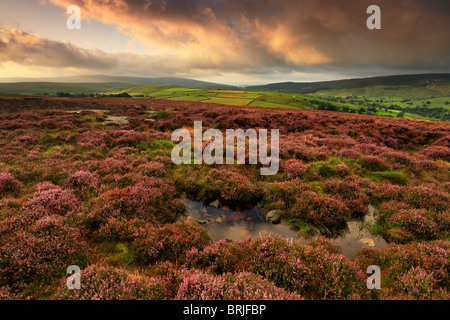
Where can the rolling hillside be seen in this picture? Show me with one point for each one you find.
(408, 86)
(133, 81)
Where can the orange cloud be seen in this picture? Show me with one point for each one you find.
(263, 36)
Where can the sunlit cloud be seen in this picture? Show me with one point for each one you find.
(205, 38)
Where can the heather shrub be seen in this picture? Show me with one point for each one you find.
(404, 223)
(307, 270)
(418, 284)
(109, 283)
(350, 193)
(5, 294)
(423, 197)
(228, 185)
(8, 185)
(298, 201)
(109, 166)
(83, 183)
(92, 138)
(417, 270)
(152, 200)
(122, 229)
(170, 242)
(437, 152)
(294, 169)
(320, 210)
(153, 169)
(282, 195)
(417, 196)
(41, 253)
(199, 285)
(126, 138)
(53, 200)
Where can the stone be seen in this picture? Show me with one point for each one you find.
(215, 204)
(274, 216)
(367, 242)
(221, 218)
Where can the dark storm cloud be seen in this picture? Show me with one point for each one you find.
(266, 36)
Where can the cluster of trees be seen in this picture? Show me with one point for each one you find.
(370, 107)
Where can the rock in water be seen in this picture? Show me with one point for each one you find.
(221, 218)
(216, 204)
(367, 242)
(274, 216)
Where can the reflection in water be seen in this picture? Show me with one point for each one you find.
(225, 223)
(358, 236)
(230, 224)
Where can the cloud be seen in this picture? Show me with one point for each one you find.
(184, 37)
(27, 49)
(290, 33)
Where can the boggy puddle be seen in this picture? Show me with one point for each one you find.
(250, 223)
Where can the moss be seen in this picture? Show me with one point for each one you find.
(395, 177)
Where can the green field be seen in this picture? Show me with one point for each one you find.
(409, 96)
(232, 97)
(267, 99)
(420, 98)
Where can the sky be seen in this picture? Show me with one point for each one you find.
(238, 42)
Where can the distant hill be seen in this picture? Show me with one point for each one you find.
(84, 80)
(53, 88)
(405, 86)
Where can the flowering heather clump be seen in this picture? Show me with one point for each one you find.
(294, 169)
(349, 153)
(283, 195)
(42, 252)
(350, 193)
(298, 201)
(26, 139)
(411, 269)
(413, 223)
(8, 185)
(109, 283)
(419, 284)
(419, 197)
(92, 138)
(321, 210)
(152, 200)
(108, 167)
(170, 242)
(153, 169)
(423, 197)
(82, 180)
(5, 294)
(52, 201)
(199, 285)
(229, 185)
(306, 270)
(437, 152)
(126, 138)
